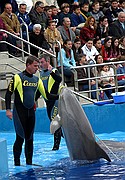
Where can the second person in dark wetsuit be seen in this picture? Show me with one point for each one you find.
(51, 79)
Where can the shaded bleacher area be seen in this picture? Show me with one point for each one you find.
(96, 40)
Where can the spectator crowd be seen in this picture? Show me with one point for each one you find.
(86, 29)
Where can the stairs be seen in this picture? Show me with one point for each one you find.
(8, 67)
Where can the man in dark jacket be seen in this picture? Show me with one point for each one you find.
(117, 28)
(38, 16)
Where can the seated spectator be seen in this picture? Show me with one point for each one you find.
(29, 4)
(48, 11)
(115, 49)
(5, 37)
(10, 19)
(76, 16)
(66, 31)
(85, 10)
(96, 12)
(12, 2)
(117, 28)
(38, 16)
(82, 73)
(122, 5)
(122, 48)
(12, 24)
(76, 47)
(102, 30)
(65, 8)
(112, 12)
(37, 38)
(90, 51)
(99, 60)
(106, 51)
(121, 76)
(107, 78)
(89, 30)
(23, 17)
(52, 35)
(67, 58)
(55, 15)
(98, 44)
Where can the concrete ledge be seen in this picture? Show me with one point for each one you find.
(3, 156)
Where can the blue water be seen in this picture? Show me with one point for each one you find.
(56, 165)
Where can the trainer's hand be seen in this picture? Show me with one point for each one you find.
(9, 114)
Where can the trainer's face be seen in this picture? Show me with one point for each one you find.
(43, 64)
(32, 68)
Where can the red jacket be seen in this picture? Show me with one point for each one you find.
(105, 54)
(2, 26)
(86, 33)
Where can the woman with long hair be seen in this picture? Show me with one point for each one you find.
(67, 56)
(89, 30)
(115, 48)
(106, 51)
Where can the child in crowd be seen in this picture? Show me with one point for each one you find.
(107, 79)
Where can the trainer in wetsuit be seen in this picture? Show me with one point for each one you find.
(25, 86)
(51, 80)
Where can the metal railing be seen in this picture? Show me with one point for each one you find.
(96, 77)
(27, 42)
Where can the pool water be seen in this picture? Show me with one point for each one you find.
(56, 165)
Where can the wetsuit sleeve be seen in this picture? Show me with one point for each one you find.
(42, 91)
(56, 76)
(9, 93)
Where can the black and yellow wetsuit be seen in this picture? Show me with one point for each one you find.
(25, 86)
(51, 81)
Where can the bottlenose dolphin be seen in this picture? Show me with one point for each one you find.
(77, 130)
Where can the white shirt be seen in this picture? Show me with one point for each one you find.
(90, 54)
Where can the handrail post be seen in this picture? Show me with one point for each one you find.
(54, 59)
(61, 63)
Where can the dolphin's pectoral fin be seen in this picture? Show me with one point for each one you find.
(101, 153)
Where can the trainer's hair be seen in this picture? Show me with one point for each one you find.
(45, 56)
(31, 59)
